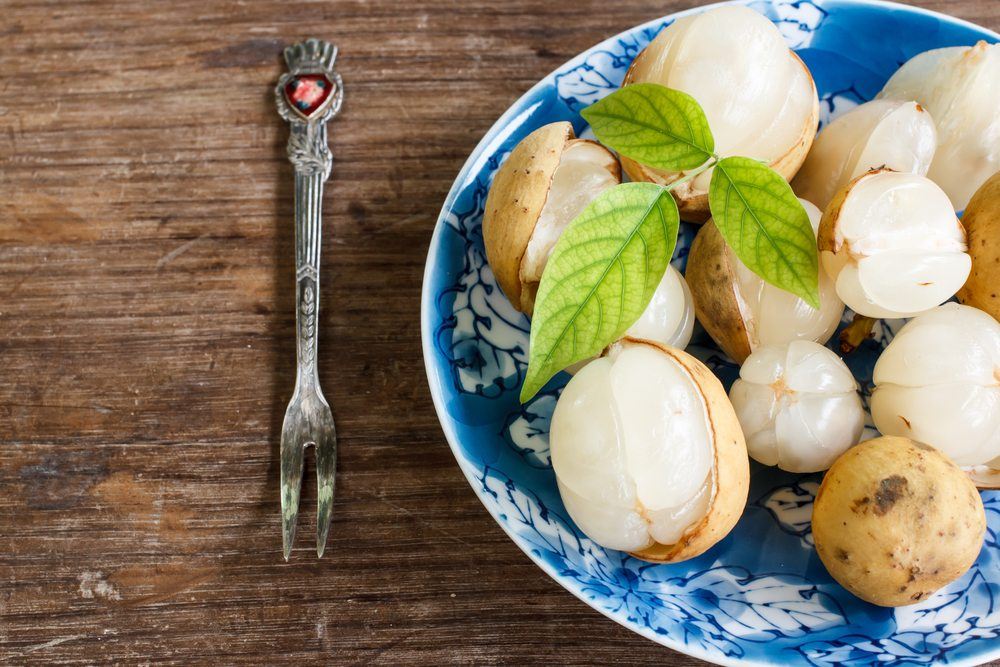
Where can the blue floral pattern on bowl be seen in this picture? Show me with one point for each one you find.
(761, 596)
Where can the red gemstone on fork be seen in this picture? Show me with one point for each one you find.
(308, 92)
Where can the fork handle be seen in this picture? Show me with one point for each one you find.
(309, 153)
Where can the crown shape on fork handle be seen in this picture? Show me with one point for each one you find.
(311, 90)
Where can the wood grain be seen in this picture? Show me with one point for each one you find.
(146, 348)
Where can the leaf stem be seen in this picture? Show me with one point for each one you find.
(855, 333)
(694, 173)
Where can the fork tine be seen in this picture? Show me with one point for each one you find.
(326, 468)
(291, 486)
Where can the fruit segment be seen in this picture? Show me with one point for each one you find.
(669, 317)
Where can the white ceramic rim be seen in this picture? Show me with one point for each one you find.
(427, 328)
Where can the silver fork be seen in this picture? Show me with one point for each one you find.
(308, 95)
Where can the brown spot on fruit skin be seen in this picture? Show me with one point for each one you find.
(890, 490)
(860, 505)
(842, 555)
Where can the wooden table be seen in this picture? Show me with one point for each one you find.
(146, 348)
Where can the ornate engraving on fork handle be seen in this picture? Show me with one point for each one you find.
(307, 96)
(306, 318)
(308, 151)
(308, 237)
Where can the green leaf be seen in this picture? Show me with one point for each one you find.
(654, 125)
(601, 276)
(764, 223)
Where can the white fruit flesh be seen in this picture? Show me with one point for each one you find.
(798, 406)
(960, 87)
(773, 316)
(669, 317)
(632, 449)
(897, 135)
(938, 382)
(899, 249)
(585, 170)
(756, 94)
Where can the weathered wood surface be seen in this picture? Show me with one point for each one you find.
(146, 348)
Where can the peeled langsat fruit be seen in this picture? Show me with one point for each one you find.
(799, 406)
(938, 382)
(648, 453)
(960, 86)
(892, 245)
(759, 98)
(547, 181)
(894, 134)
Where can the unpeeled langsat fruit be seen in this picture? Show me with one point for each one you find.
(982, 222)
(895, 520)
(548, 180)
(741, 311)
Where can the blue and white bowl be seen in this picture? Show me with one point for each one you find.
(761, 596)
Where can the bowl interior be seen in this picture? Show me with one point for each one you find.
(761, 595)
